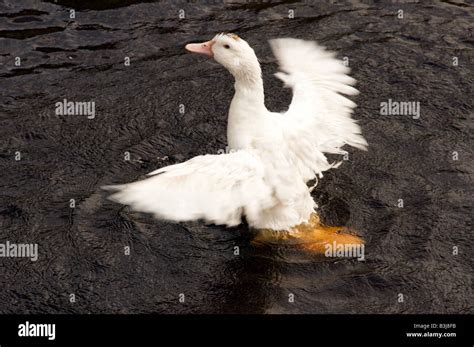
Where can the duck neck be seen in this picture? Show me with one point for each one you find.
(249, 88)
(247, 109)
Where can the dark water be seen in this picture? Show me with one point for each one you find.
(409, 250)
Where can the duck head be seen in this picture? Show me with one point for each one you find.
(233, 53)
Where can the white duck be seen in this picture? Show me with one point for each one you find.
(273, 154)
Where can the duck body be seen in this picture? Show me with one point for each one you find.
(273, 154)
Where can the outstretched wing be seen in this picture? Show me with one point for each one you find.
(319, 114)
(217, 188)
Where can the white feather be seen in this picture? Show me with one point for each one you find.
(318, 80)
(216, 188)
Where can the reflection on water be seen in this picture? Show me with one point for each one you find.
(46, 56)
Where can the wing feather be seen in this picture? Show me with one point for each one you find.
(319, 82)
(216, 188)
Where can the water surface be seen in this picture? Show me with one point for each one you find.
(409, 250)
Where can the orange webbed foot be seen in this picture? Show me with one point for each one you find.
(312, 236)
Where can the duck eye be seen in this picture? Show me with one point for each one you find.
(226, 46)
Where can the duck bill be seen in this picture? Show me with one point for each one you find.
(201, 48)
